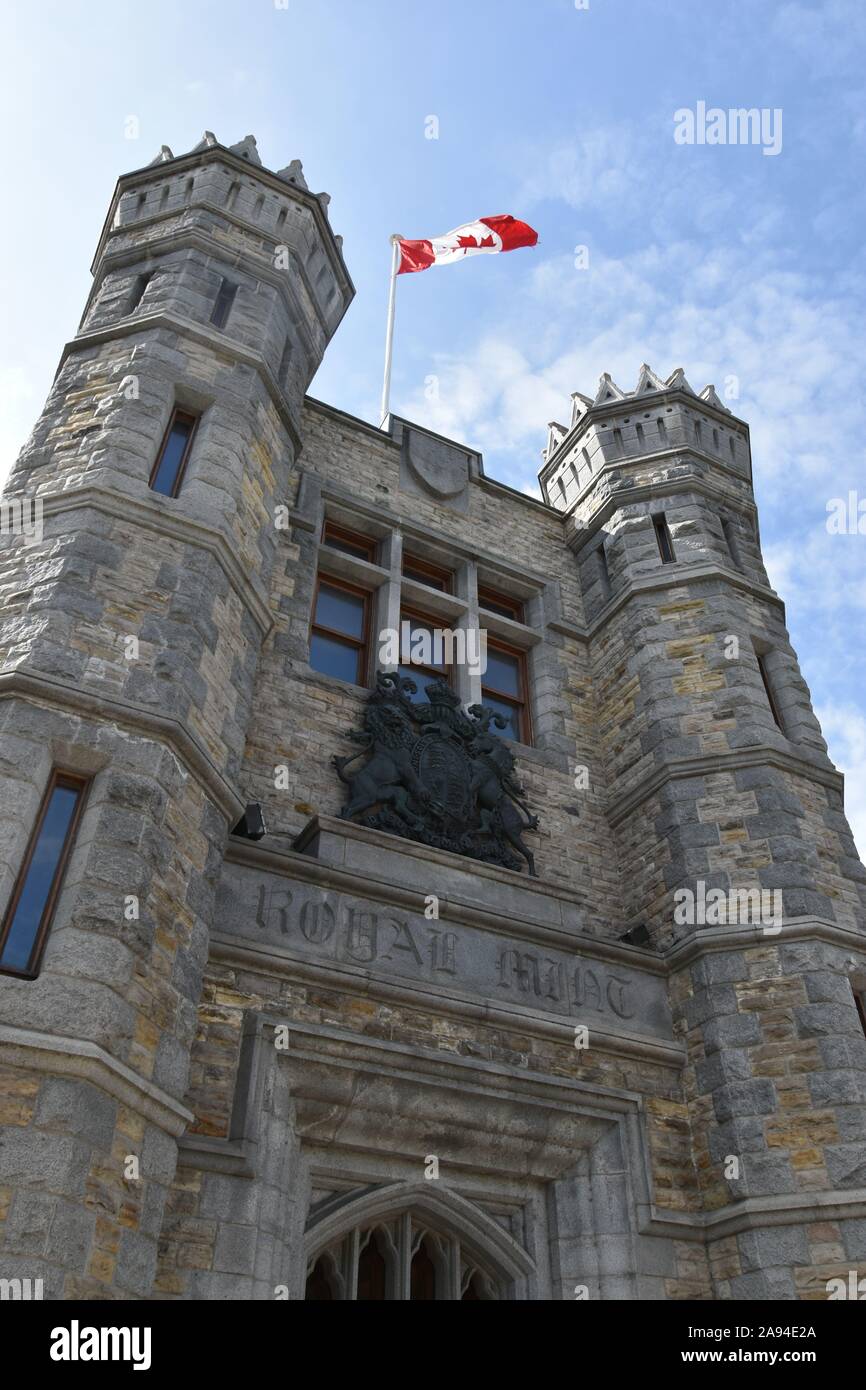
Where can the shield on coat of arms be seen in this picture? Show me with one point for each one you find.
(444, 770)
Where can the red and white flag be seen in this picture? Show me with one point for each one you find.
(485, 237)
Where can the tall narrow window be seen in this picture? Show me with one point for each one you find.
(771, 694)
(138, 289)
(503, 688)
(732, 543)
(860, 1001)
(223, 303)
(285, 362)
(603, 571)
(338, 641)
(422, 641)
(664, 538)
(34, 897)
(170, 466)
(422, 1277)
(372, 1273)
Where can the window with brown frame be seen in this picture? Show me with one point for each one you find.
(37, 888)
(340, 630)
(421, 636)
(173, 457)
(502, 604)
(349, 542)
(423, 572)
(504, 689)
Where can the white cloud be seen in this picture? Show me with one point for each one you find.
(845, 730)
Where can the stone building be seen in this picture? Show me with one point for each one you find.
(339, 1060)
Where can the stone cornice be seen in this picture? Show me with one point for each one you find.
(150, 512)
(209, 246)
(577, 537)
(707, 940)
(710, 763)
(200, 333)
(86, 1061)
(671, 577)
(82, 701)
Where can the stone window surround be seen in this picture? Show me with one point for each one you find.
(459, 610)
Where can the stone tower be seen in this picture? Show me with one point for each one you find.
(360, 1058)
(737, 859)
(131, 633)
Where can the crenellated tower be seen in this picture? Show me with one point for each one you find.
(131, 630)
(737, 861)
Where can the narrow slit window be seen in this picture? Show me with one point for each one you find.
(640, 438)
(662, 428)
(170, 466)
(664, 539)
(223, 303)
(339, 636)
(503, 689)
(860, 1001)
(732, 543)
(285, 362)
(770, 692)
(138, 289)
(34, 897)
(617, 439)
(604, 571)
(698, 432)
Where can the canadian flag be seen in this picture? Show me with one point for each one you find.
(484, 237)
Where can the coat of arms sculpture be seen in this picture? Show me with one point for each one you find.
(436, 774)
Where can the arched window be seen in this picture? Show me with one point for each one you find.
(400, 1259)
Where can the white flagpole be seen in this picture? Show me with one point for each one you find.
(389, 336)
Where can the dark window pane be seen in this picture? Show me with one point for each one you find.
(172, 456)
(504, 607)
(348, 547)
(224, 301)
(340, 610)
(40, 878)
(503, 672)
(422, 577)
(372, 1272)
(334, 658)
(509, 712)
(422, 1276)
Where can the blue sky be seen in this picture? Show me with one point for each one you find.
(719, 259)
